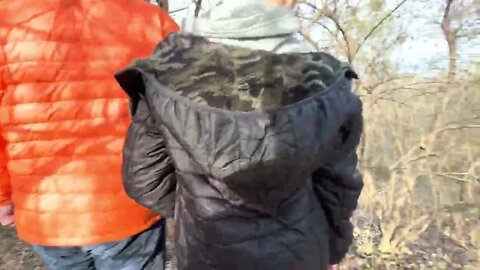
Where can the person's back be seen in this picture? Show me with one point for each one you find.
(63, 118)
(261, 144)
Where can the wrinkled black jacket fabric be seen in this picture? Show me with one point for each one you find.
(268, 189)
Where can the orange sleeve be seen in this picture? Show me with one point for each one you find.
(5, 189)
(168, 24)
(158, 26)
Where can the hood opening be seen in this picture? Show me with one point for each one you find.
(239, 79)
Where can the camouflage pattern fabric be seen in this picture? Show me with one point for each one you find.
(236, 78)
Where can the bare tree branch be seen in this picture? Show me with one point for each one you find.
(453, 177)
(163, 4)
(433, 135)
(370, 33)
(334, 18)
(307, 37)
(451, 38)
(178, 10)
(331, 14)
(198, 7)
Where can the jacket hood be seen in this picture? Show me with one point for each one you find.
(247, 118)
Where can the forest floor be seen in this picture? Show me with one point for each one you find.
(14, 254)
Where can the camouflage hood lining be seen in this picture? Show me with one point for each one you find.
(239, 79)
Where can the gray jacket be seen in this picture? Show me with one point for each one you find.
(248, 23)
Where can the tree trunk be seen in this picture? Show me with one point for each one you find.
(198, 7)
(451, 38)
(163, 4)
(452, 52)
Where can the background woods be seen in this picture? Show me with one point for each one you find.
(420, 153)
(419, 63)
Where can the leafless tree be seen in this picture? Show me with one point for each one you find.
(460, 21)
(450, 34)
(163, 4)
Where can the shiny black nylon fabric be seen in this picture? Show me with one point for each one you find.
(247, 151)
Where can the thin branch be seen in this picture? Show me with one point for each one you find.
(332, 16)
(422, 157)
(446, 12)
(163, 4)
(327, 29)
(335, 20)
(379, 24)
(374, 86)
(456, 127)
(453, 177)
(198, 7)
(309, 40)
(402, 103)
(432, 135)
(178, 10)
(317, 17)
(309, 4)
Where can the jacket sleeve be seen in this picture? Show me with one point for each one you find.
(160, 27)
(338, 185)
(147, 171)
(169, 26)
(5, 188)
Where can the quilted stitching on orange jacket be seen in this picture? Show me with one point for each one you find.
(63, 117)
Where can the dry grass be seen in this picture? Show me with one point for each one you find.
(421, 161)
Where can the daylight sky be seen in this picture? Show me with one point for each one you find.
(425, 45)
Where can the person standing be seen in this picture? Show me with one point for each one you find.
(62, 126)
(250, 137)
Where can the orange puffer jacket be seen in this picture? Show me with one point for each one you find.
(63, 117)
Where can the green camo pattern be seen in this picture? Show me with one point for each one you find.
(236, 78)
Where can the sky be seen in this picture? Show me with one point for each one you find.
(426, 44)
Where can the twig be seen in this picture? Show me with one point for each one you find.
(327, 29)
(379, 24)
(335, 20)
(163, 4)
(309, 4)
(391, 100)
(198, 7)
(422, 157)
(455, 127)
(309, 40)
(178, 10)
(453, 177)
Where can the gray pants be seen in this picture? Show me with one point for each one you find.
(143, 251)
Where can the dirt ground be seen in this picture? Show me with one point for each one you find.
(14, 254)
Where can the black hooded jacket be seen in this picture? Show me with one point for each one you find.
(255, 151)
